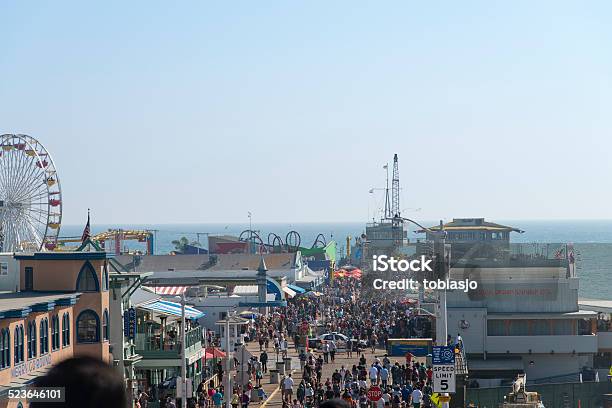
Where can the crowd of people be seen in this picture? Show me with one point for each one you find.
(367, 320)
(401, 384)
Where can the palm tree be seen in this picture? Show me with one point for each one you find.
(181, 244)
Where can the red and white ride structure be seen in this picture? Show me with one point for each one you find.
(30, 195)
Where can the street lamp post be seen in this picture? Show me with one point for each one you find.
(228, 385)
(439, 238)
(183, 355)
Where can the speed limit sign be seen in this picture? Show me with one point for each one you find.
(443, 358)
(444, 378)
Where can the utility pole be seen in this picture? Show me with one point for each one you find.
(441, 270)
(227, 395)
(183, 356)
(387, 204)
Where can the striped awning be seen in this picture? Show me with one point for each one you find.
(172, 308)
(290, 293)
(167, 290)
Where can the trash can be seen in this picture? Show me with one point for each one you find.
(287, 363)
(280, 367)
(274, 379)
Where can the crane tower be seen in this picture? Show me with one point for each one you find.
(395, 187)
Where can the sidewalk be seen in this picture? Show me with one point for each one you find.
(273, 390)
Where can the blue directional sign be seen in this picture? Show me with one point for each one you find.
(129, 323)
(443, 355)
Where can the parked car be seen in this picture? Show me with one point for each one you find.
(338, 338)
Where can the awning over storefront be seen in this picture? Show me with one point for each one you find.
(290, 293)
(215, 352)
(167, 290)
(274, 303)
(172, 308)
(297, 289)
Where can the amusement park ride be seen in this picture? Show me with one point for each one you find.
(31, 202)
(116, 237)
(275, 243)
(30, 196)
(31, 208)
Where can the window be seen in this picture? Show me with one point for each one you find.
(3, 268)
(519, 328)
(88, 327)
(105, 277)
(105, 325)
(31, 339)
(44, 336)
(496, 328)
(65, 329)
(87, 280)
(540, 327)
(562, 327)
(55, 343)
(5, 348)
(18, 340)
(584, 327)
(29, 278)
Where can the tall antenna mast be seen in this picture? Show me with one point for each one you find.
(387, 204)
(395, 189)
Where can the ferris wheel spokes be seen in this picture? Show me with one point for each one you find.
(30, 195)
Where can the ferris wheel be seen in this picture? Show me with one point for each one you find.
(30, 196)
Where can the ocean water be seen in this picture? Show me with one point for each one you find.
(592, 240)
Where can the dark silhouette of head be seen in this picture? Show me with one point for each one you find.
(335, 403)
(88, 382)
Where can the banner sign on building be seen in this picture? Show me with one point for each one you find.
(129, 323)
(443, 355)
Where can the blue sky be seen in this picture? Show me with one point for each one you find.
(199, 112)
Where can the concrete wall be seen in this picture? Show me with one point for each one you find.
(549, 365)
(116, 324)
(7, 374)
(471, 323)
(214, 307)
(61, 275)
(516, 290)
(604, 341)
(98, 302)
(9, 273)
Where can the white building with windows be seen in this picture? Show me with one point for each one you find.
(524, 316)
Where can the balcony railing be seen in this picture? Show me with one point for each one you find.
(153, 343)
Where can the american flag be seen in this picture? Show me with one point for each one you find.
(87, 231)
